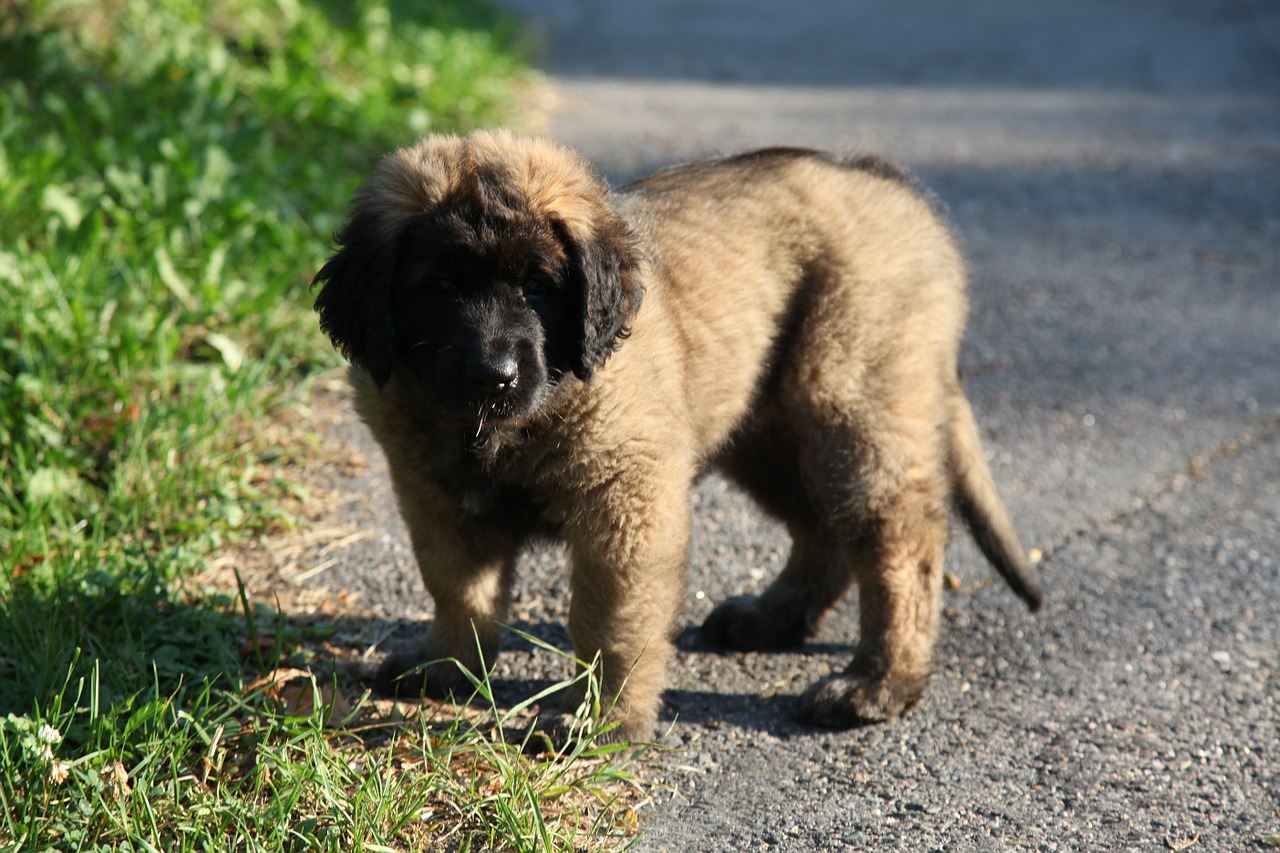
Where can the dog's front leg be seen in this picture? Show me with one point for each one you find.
(468, 569)
(629, 555)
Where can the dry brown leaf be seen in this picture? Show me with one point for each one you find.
(295, 690)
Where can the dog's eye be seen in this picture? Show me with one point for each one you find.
(537, 284)
(444, 284)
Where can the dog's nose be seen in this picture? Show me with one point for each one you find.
(494, 374)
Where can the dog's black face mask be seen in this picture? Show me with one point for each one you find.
(482, 332)
(481, 300)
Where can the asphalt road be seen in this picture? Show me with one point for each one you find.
(1113, 167)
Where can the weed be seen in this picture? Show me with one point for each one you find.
(170, 176)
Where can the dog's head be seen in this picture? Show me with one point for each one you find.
(487, 267)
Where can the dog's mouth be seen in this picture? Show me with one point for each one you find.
(498, 423)
(498, 412)
(494, 412)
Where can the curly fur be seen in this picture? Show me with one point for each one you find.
(538, 356)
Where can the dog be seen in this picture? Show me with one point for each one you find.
(539, 356)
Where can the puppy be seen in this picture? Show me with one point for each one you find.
(538, 356)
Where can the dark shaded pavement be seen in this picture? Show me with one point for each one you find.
(1114, 171)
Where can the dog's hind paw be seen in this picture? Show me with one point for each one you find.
(745, 623)
(847, 700)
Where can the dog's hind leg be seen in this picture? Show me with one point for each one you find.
(766, 460)
(895, 544)
(790, 609)
(866, 505)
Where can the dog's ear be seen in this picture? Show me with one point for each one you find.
(355, 301)
(604, 271)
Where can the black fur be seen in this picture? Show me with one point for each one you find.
(602, 274)
(479, 286)
(355, 305)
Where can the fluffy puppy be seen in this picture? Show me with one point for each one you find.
(538, 356)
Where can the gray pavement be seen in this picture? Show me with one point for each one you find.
(1114, 171)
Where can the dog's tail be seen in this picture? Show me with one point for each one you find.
(981, 508)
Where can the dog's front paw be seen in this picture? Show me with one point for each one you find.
(746, 624)
(405, 675)
(564, 733)
(851, 699)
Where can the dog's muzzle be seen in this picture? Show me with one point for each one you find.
(493, 377)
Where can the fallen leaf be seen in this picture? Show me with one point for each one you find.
(295, 690)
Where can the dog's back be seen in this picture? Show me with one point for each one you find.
(808, 261)
(837, 283)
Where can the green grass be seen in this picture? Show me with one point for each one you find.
(200, 767)
(170, 175)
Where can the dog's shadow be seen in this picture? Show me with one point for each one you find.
(749, 709)
(537, 656)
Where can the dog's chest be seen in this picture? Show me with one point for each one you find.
(496, 490)
(511, 507)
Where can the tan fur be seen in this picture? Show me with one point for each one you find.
(799, 328)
